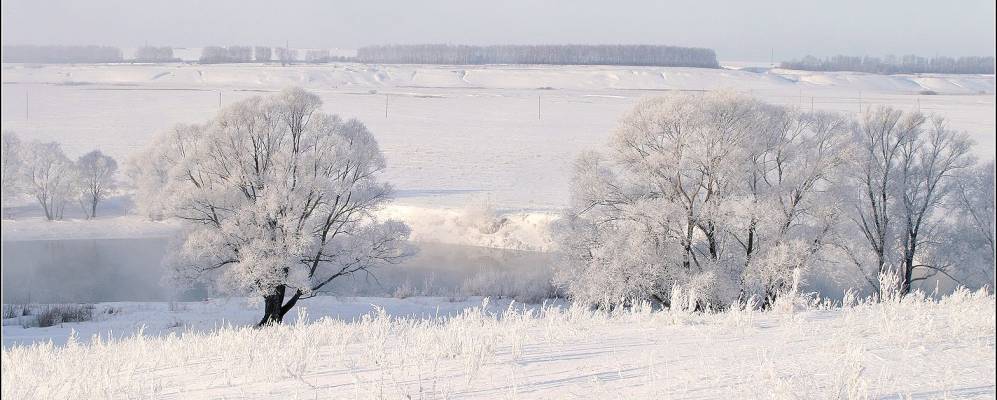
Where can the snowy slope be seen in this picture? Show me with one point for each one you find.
(914, 349)
(257, 76)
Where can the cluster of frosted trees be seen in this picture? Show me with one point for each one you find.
(42, 170)
(909, 64)
(279, 198)
(730, 198)
(61, 54)
(644, 55)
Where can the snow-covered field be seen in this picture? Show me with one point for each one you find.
(456, 138)
(447, 348)
(451, 134)
(480, 157)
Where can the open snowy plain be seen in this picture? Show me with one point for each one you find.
(428, 348)
(480, 158)
(451, 134)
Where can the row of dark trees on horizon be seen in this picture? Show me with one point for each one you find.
(61, 54)
(908, 64)
(639, 55)
(635, 55)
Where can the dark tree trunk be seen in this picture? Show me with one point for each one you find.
(908, 273)
(273, 310)
(274, 307)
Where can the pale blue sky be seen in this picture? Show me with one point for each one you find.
(738, 30)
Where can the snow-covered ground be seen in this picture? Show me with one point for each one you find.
(453, 348)
(451, 134)
(455, 137)
(480, 157)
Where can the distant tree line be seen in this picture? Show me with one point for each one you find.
(909, 64)
(321, 56)
(230, 54)
(155, 54)
(61, 54)
(638, 55)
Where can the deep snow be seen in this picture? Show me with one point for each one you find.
(909, 349)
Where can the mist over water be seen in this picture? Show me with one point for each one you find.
(103, 270)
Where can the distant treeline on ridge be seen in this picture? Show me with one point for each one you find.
(637, 55)
(909, 64)
(61, 54)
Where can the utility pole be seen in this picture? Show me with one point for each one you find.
(385, 105)
(860, 102)
(27, 104)
(811, 104)
(219, 99)
(538, 108)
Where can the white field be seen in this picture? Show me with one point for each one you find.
(914, 349)
(459, 142)
(502, 136)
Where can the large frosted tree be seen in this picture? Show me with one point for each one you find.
(279, 199)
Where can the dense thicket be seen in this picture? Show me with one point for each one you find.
(641, 55)
(909, 64)
(61, 54)
(726, 197)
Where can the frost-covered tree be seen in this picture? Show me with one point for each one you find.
(148, 170)
(905, 169)
(10, 164)
(968, 235)
(792, 167)
(279, 199)
(929, 166)
(49, 176)
(715, 192)
(95, 173)
(880, 135)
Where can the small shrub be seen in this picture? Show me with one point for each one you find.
(12, 310)
(57, 314)
(927, 92)
(176, 323)
(405, 290)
